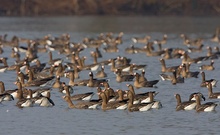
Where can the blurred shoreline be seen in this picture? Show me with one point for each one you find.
(109, 7)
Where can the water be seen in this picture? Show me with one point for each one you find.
(61, 120)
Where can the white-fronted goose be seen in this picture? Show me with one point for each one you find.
(34, 82)
(176, 79)
(101, 73)
(123, 78)
(163, 41)
(192, 96)
(205, 82)
(80, 105)
(57, 83)
(156, 104)
(192, 49)
(188, 74)
(139, 84)
(186, 105)
(111, 105)
(140, 97)
(94, 82)
(23, 102)
(167, 69)
(4, 68)
(44, 101)
(143, 40)
(208, 67)
(53, 61)
(3, 91)
(207, 107)
(72, 81)
(6, 97)
(137, 107)
(211, 94)
(62, 90)
(82, 96)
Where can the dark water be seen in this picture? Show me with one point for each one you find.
(60, 120)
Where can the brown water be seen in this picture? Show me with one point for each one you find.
(60, 120)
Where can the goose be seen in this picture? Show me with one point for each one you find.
(186, 105)
(205, 82)
(137, 107)
(208, 67)
(206, 107)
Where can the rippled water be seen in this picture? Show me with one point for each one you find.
(60, 120)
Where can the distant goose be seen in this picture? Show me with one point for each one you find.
(167, 69)
(208, 67)
(143, 40)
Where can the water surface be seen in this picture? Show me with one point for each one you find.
(61, 120)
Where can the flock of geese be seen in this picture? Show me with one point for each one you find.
(35, 79)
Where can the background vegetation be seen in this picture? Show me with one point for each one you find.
(109, 7)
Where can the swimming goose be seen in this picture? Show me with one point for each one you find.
(101, 73)
(188, 74)
(38, 67)
(156, 104)
(44, 101)
(11, 92)
(205, 82)
(82, 96)
(211, 94)
(143, 40)
(207, 107)
(53, 61)
(192, 96)
(132, 49)
(186, 105)
(167, 69)
(6, 97)
(60, 70)
(94, 82)
(97, 53)
(124, 67)
(3, 68)
(176, 79)
(137, 107)
(192, 49)
(139, 84)
(208, 67)
(140, 97)
(210, 54)
(111, 94)
(72, 81)
(150, 52)
(186, 59)
(62, 90)
(163, 41)
(23, 102)
(34, 82)
(80, 105)
(111, 105)
(123, 78)
(57, 83)
(166, 77)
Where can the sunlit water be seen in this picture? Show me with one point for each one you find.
(61, 120)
